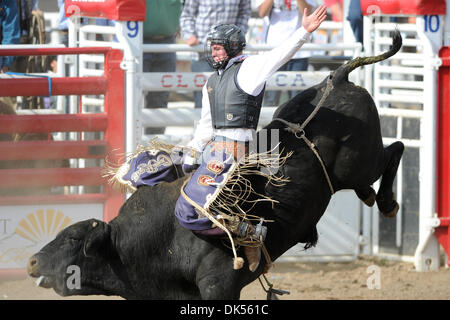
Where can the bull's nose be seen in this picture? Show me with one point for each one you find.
(32, 266)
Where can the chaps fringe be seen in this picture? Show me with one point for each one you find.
(224, 206)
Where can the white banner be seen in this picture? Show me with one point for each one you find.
(175, 81)
(24, 230)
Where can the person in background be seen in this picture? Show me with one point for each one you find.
(355, 18)
(161, 25)
(10, 30)
(197, 19)
(336, 8)
(354, 15)
(9, 34)
(26, 8)
(284, 17)
(52, 70)
(63, 26)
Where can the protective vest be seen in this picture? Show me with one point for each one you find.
(231, 107)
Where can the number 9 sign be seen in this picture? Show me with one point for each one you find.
(133, 29)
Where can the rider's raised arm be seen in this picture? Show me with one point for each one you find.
(257, 69)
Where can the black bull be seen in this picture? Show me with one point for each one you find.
(145, 253)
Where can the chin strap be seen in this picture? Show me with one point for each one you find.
(220, 64)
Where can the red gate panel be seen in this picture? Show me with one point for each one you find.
(111, 122)
(443, 152)
(416, 7)
(120, 10)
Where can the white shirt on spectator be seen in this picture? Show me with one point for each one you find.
(281, 23)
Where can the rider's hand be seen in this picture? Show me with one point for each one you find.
(313, 21)
(189, 164)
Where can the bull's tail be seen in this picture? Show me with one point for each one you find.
(341, 74)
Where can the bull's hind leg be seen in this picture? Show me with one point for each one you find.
(367, 195)
(216, 278)
(385, 196)
(216, 287)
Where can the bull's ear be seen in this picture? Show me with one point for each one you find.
(97, 238)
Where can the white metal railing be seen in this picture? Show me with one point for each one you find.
(186, 117)
(182, 114)
(405, 87)
(51, 27)
(400, 115)
(92, 65)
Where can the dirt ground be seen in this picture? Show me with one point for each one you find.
(389, 280)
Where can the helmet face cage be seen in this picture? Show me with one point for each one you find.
(230, 37)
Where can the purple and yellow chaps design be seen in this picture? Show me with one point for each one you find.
(150, 168)
(217, 162)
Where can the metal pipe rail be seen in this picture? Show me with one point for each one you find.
(53, 123)
(44, 50)
(41, 86)
(36, 150)
(250, 47)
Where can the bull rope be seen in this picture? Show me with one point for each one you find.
(271, 292)
(299, 130)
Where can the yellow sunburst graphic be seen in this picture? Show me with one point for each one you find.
(42, 225)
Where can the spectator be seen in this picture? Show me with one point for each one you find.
(354, 15)
(161, 25)
(284, 17)
(197, 19)
(336, 9)
(10, 29)
(63, 25)
(25, 7)
(355, 18)
(9, 34)
(51, 69)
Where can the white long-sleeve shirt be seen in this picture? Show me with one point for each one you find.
(251, 78)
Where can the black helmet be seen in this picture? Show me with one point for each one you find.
(228, 35)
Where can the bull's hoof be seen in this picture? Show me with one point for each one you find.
(370, 201)
(393, 212)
